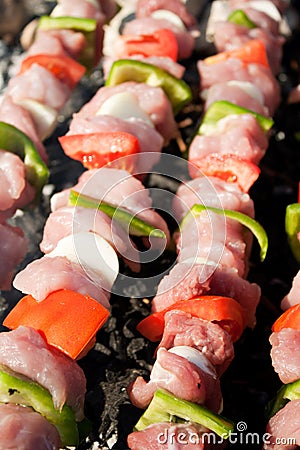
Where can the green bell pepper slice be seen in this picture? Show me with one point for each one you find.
(28, 393)
(292, 228)
(239, 17)
(222, 108)
(165, 407)
(131, 223)
(290, 391)
(86, 26)
(243, 219)
(178, 92)
(15, 141)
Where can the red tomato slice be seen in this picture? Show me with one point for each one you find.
(289, 319)
(65, 69)
(228, 167)
(68, 320)
(98, 149)
(161, 43)
(225, 311)
(253, 51)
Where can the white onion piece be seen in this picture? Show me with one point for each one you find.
(219, 12)
(92, 252)
(124, 105)
(249, 88)
(170, 16)
(44, 116)
(194, 356)
(266, 7)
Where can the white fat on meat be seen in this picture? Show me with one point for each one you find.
(293, 296)
(124, 105)
(44, 116)
(196, 357)
(92, 252)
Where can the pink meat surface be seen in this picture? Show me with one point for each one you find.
(211, 191)
(240, 135)
(150, 140)
(12, 178)
(229, 36)
(284, 427)
(213, 238)
(119, 188)
(146, 8)
(79, 8)
(185, 39)
(13, 250)
(164, 436)
(58, 42)
(152, 100)
(234, 69)
(24, 429)
(233, 94)
(187, 281)
(68, 220)
(46, 275)
(26, 353)
(37, 83)
(20, 118)
(293, 297)
(285, 354)
(209, 338)
(180, 377)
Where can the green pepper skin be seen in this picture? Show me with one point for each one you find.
(290, 391)
(165, 407)
(86, 26)
(239, 17)
(131, 223)
(245, 220)
(15, 141)
(28, 393)
(178, 92)
(222, 108)
(292, 228)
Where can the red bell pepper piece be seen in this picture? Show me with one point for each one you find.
(225, 311)
(68, 320)
(64, 68)
(289, 319)
(253, 52)
(98, 149)
(162, 42)
(228, 167)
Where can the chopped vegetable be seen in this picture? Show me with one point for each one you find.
(15, 141)
(29, 393)
(68, 320)
(90, 54)
(161, 42)
(228, 167)
(292, 228)
(290, 391)
(221, 109)
(178, 92)
(289, 319)
(224, 311)
(165, 407)
(243, 219)
(253, 52)
(67, 70)
(98, 149)
(131, 223)
(239, 17)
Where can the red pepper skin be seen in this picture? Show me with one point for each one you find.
(162, 42)
(228, 167)
(289, 319)
(68, 320)
(224, 311)
(65, 69)
(96, 150)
